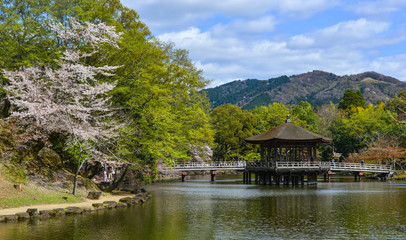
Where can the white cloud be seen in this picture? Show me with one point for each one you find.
(175, 14)
(240, 39)
(378, 7)
(393, 65)
(336, 49)
(360, 33)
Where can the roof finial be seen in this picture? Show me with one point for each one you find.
(288, 119)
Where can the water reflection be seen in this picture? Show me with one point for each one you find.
(198, 209)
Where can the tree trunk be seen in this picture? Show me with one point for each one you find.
(115, 184)
(75, 179)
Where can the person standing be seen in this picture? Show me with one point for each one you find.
(105, 175)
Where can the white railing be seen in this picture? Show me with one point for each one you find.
(242, 165)
(211, 165)
(359, 166)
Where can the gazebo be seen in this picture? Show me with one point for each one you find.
(287, 150)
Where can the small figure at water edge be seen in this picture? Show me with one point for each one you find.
(110, 174)
(105, 175)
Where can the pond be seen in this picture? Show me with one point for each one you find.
(228, 209)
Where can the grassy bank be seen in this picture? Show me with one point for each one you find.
(36, 191)
(32, 195)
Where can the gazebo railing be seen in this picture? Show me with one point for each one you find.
(331, 166)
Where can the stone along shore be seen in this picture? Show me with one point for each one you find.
(78, 208)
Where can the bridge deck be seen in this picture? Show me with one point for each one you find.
(284, 166)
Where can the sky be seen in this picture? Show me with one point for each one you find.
(262, 39)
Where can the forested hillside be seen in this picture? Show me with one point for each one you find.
(150, 87)
(315, 87)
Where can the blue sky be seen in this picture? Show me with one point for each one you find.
(241, 39)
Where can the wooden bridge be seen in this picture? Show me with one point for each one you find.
(283, 168)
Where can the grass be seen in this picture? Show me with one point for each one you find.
(33, 195)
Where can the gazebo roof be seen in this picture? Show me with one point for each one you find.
(287, 132)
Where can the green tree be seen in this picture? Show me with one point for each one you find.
(352, 99)
(304, 116)
(363, 128)
(270, 116)
(231, 126)
(397, 104)
(157, 85)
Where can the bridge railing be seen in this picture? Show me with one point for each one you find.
(360, 166)
(325, 166)
(195, 165)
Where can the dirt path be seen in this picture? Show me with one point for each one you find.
(86, 203)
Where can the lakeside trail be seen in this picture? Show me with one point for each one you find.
(86, 203)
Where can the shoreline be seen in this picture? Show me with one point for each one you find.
(85, 203)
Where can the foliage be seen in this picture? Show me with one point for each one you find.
(157, 85)
(383, 151)
(362, 128)
(397, 104)
(305, 116)
(352, 99)
(69, 99)
(270, 116)
(317, 88)
(231, 126)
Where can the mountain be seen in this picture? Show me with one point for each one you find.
(316, 87)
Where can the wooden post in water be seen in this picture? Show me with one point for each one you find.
(358, 175)
(183, 176)
(249, 177)
(213, 175)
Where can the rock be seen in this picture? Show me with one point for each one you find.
(126, 200)
(73, 210)
(94, 195)
(33, 212)
(50, 158)
(135, 201)
(98, 205)
(45, 213)
(139, 190)
(2, 218)
(87, 209)
(122, 204)
(142, 196)
(23, 216)
(110, 204)
(57, 212)
(10, 218)
(19, 187)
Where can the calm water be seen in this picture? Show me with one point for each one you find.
(197, 209)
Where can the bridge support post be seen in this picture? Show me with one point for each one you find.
(295, 180)
(278, 179)
(213, 175)
(249, 177)
(311, 179)
(183, 176)
(256, 178)
(358, 175)
(302, 179)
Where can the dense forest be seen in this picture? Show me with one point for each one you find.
(316, 87)
(104, 90)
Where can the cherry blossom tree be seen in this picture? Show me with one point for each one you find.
(69, 98)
